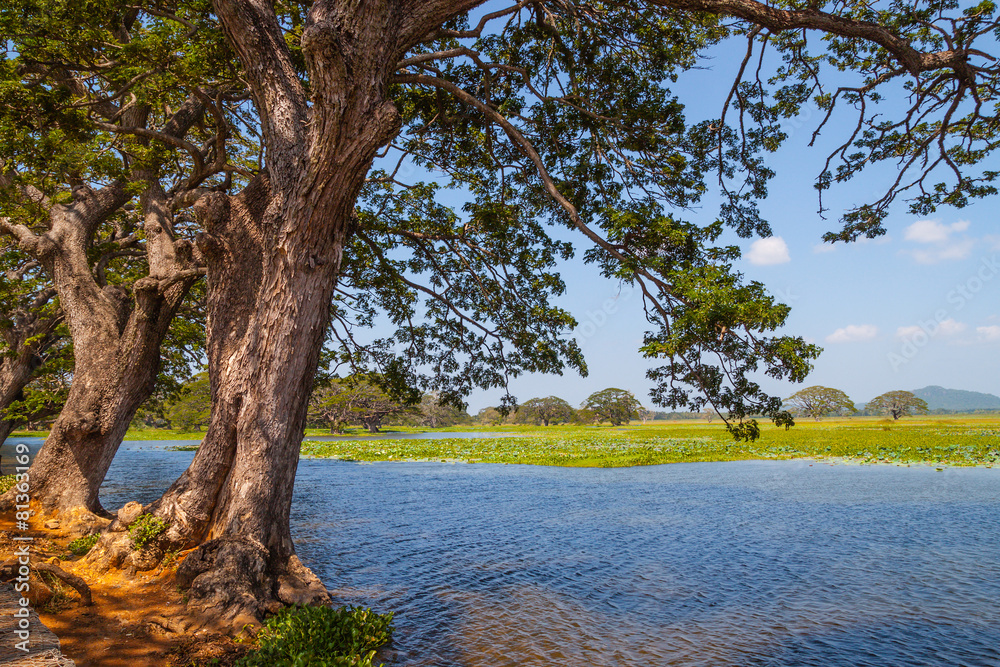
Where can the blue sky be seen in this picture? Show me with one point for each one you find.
(916, 307)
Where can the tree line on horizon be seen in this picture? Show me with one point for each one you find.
(819, 401)
(366, 401)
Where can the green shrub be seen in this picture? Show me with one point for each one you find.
(6, 482)
(81, 545)
(145, 528)
(320, 637)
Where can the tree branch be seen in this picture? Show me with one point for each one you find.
(776, 20)
(254, 32)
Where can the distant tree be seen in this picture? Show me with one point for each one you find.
(617, 406)
(438, 410)
(358, 399)
(329, 407)
(192, 408)
(645, 414)
(490, 416)
(708, 414)
(818, 401)
(898, 404)
(546, 410)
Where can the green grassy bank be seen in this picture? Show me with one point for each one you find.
(935, 441)
(962, 440)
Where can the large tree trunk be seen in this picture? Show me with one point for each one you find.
(236, 497)
(114, 373)
(116, 335)
(237, 493)
(116, 338)
(233, 249)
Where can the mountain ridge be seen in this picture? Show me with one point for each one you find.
(959, 400)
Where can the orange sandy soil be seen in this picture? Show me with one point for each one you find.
(125, 625)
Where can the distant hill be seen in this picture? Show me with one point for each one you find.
(958, 400)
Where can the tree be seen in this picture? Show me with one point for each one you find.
(818, 401)
(617, 406)
(192, 408)
(436, 410)
(898, 404)
(490, 416)
(93, 188)
(547, 115)
(351, 401)
(546, 410)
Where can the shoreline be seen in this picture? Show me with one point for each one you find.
(832, 461)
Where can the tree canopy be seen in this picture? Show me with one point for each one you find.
(357, 399)
(898, 404)
(818, 401)
(546, 410)
(617, 406)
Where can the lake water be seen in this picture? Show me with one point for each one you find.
(746, 563)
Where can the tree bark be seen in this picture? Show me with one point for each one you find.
(116, 335)
(267, 329)
(233, 249)
(7, 427)
(117, 340)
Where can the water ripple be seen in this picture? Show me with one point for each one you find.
(761, 564)
(748, 564)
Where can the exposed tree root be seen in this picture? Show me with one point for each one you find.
(233, 583)
(73, 522)
(71, 579)
(116, 549)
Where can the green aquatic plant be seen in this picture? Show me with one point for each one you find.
(320, 637)
(951, 443)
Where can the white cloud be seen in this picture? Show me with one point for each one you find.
(938, 237)
(772, 250)
(957, 250)
(853, 333)
(933, 231)
(820, 248)
(950, 327)
(988, 334)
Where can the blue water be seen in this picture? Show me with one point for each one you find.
(745, 563)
